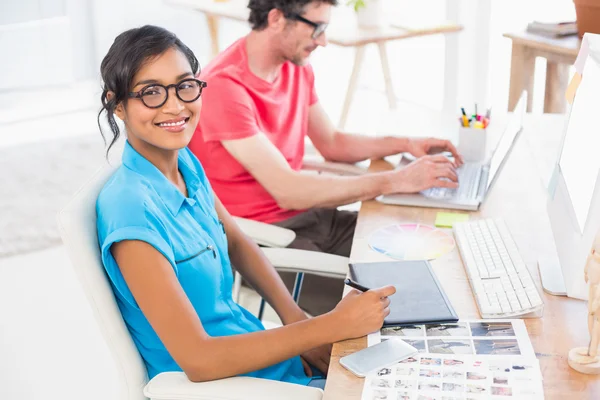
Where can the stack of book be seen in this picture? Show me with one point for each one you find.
(553, 29)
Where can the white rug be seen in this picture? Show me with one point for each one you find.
(37, 180)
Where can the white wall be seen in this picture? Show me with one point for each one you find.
(82, 38)
(46, 43)
(34, 42)
(111, 17)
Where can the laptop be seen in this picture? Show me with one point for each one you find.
(475, 178)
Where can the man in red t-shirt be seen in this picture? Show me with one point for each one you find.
(260, 105)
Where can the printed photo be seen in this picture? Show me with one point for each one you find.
(384, 372)
(502, 347)
(451, 362)
(406, 371)
(500, 380)
(417, 344)
(499, 365)
(476, 376)
(450, 346)
(429, 373)
(430, 361)
(525, 391)
(492, 329)
(381, 383)
(405, 384)
(458, 329)
(501, 391)
(402, 396)
(449, 374)
(522, 367)
(409, 360)
(453, 387)
(409, 330)
(380, 395)
(476, 389)
(430, 386)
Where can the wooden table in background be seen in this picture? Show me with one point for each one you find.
(519, 198)
(560, 53)
(339, 33)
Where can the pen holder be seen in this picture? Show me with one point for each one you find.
(472, 143)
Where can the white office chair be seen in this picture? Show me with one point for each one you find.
(77, 223)
(274, 240)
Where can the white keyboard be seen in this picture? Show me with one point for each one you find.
(500, 280)
(469, 175)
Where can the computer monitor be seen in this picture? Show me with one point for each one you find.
(574, 190)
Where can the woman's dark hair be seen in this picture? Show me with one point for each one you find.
(259, 9)
(128, 53)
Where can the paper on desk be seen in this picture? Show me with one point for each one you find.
(475, 337)
(480, 357)
(448, 219)
(373, 338)
(441, 376)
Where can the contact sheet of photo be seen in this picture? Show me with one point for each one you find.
(470, 359)
(477, 337)
(446, 377)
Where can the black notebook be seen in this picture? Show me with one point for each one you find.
(419, 297)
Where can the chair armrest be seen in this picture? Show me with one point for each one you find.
(310, 163)
(311, 262)
(266, 234)
(176, 386)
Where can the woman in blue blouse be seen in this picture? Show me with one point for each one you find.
(168, 243)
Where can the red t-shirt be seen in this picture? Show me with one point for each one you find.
(237, 104)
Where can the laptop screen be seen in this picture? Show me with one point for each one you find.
(508, 137)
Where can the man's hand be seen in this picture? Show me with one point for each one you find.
(318, 358)
(424, 173)
(423, 147)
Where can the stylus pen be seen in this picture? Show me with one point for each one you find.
(355, 285)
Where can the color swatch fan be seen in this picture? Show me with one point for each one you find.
(411, 242)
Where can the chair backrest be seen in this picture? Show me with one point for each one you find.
(77, 224)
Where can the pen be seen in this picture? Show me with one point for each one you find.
(355, 285)
(465, 119)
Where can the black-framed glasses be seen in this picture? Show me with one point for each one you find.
(156, 95)
(319, 28)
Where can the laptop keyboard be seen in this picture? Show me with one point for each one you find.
(469, 175)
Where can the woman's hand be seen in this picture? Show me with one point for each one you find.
(318, 358)
(359, 314)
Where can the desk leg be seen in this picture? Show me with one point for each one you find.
(387, 76)
(358, 59)
(522, 66)
(557, 76)
(213, 28)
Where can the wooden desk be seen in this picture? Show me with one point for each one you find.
(340, 32)
(564, 324)
(560, 54)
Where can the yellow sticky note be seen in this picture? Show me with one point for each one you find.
(447, 220)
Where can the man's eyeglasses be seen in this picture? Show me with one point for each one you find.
(156, 95)
(319, 29)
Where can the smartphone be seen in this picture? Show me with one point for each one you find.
(381, 355)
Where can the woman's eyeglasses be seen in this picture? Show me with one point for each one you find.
(319, 28)
(156, 95)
